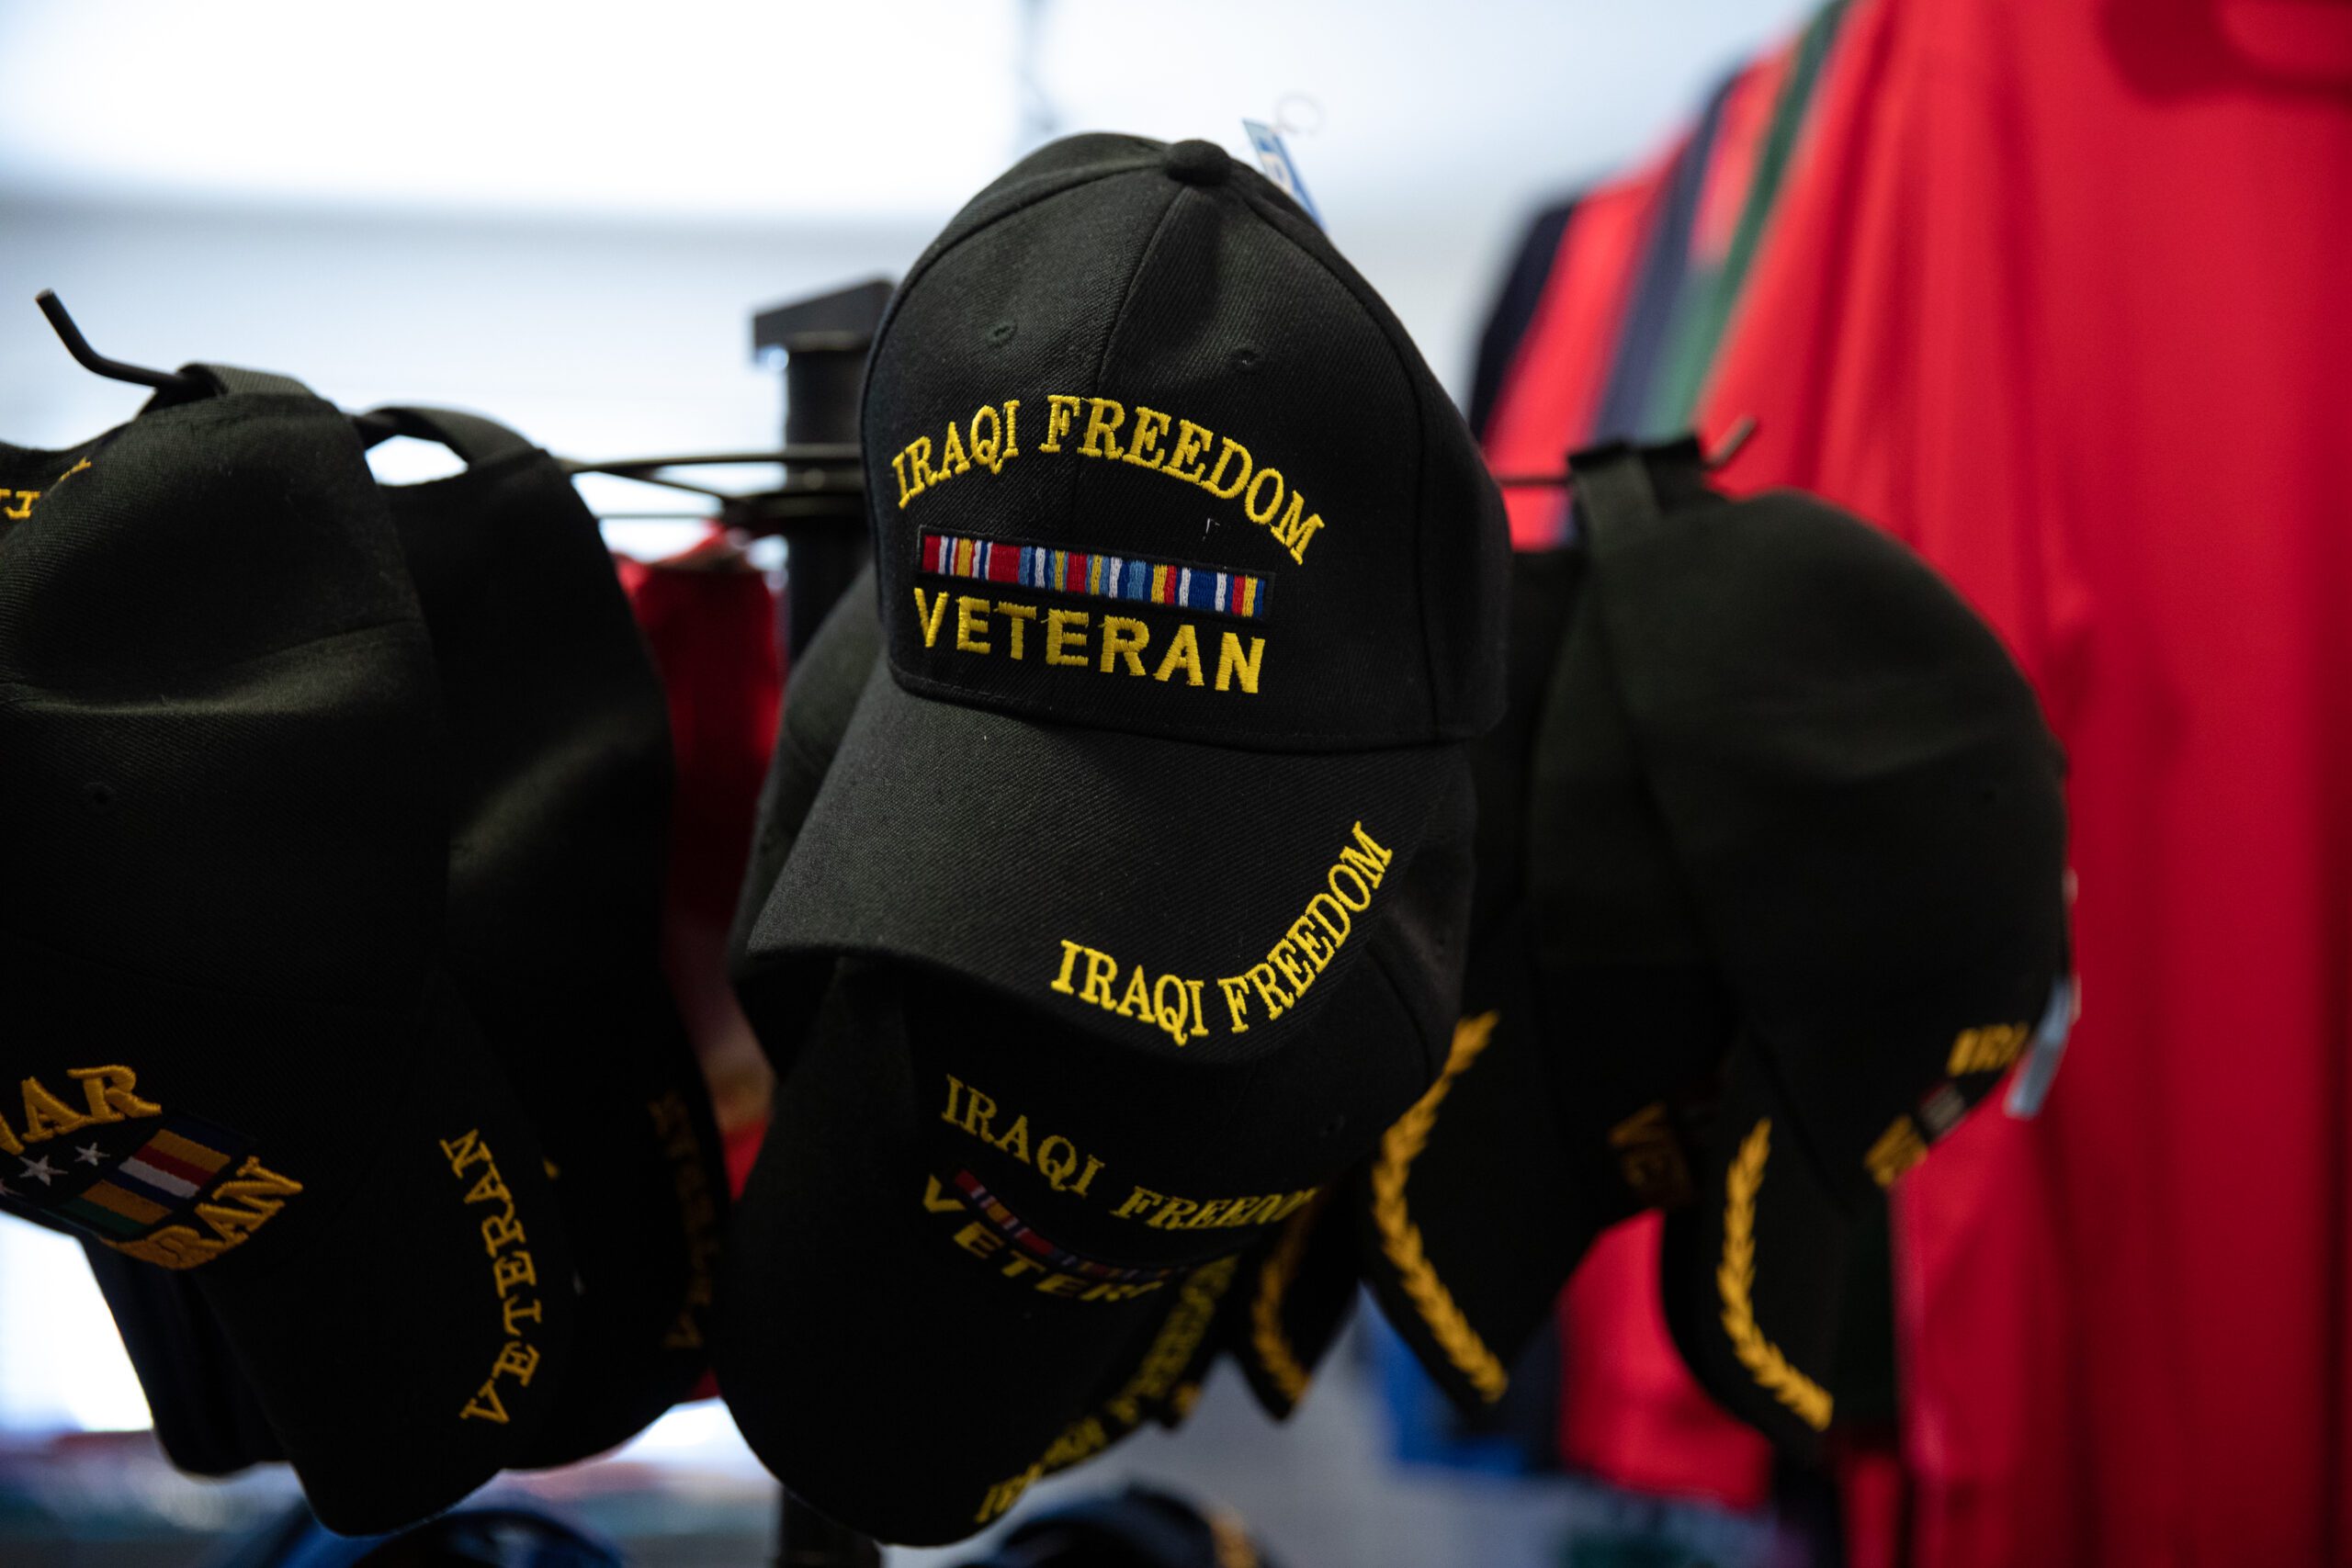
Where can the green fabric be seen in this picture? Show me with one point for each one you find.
(1703, 309)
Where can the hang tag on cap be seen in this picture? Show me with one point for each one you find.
(1273, 157)
(2032, 1084)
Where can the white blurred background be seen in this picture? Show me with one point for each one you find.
(564, 216)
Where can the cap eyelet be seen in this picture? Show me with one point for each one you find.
(1246, 357)
(1001, 333)
(97, 795)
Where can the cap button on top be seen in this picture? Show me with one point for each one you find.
(1198, 164)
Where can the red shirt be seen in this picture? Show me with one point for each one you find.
(2057, 295)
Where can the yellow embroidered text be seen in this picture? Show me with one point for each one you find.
(107, 1093)
(981, 1242)
(1897, 1150)
(1158, 1377)
(511, 1272)
(1101, 428)
(1170, 1003)
(1006, 628)
(994, 440)
(231, 1211)
(1307, 948)
(697, 1214)
(1986, 1050)
(1650, 1158)
(1056, 1157)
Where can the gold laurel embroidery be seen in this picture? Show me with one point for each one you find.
(1273, 1348)
(1401, 1239)
(1230, 1540)
(1735, 1280)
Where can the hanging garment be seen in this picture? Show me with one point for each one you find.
(2056, 293)
(1545, 406)
(1635, 297)
(1514, 311)
(710, 619)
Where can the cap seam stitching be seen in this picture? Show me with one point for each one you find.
(1356, 291)
(15, 693)
(933, 257)
(1127, 289)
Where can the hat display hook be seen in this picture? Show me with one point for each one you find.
(90, 359)
(1725, 450)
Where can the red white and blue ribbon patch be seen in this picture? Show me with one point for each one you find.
(161, 1177)
(1008, 1225)
(1125, 578)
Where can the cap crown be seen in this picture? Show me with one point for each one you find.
(1145, 454)
(1849, 808)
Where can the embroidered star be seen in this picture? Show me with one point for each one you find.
(6, 1190)
(40, 1170)
(90, 1153)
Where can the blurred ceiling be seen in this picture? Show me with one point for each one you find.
(878, 110)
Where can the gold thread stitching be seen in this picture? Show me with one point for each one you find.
(1230, 1539)
(1401, 1239)
(1735, 1280)
(1274, 1352)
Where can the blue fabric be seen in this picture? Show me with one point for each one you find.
(1658, 289)
(495, 1537)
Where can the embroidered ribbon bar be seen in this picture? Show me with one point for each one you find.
(1238, 594)
(158, 1179)
(1008, 1225)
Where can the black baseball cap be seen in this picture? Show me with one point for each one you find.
(1780, 895)
(1130, 951)
(1216, 593)
(560, 768)
(985, 1391)
(558, 741)
(1298, 1289)
(235, 1050)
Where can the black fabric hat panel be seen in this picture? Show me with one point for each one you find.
(1298, 1286)
(207, 1417)
(1762, 718)
(1227, 470)
(1477, 1206)
(1156, 783)
(887, 1345)
(1225, 950)
(826, 682)
(1172, 852)
(561, 782)
(1753, 1275)
(1634, 1013)
(1132, 1356)
(1591, 1024)
(1295, 1294)
(1869, 813)
(237, 1055)
(1872, 818)
(1025, 1197)
(1131, 783)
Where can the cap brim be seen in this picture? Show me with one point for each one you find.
(889, 1376)
(427, 1333)
(638, 1169)
(332, 1222)
(1007, 851)
(206, 1420)
(1473, 1212)
(1753, 1274)
(1294, 1297)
